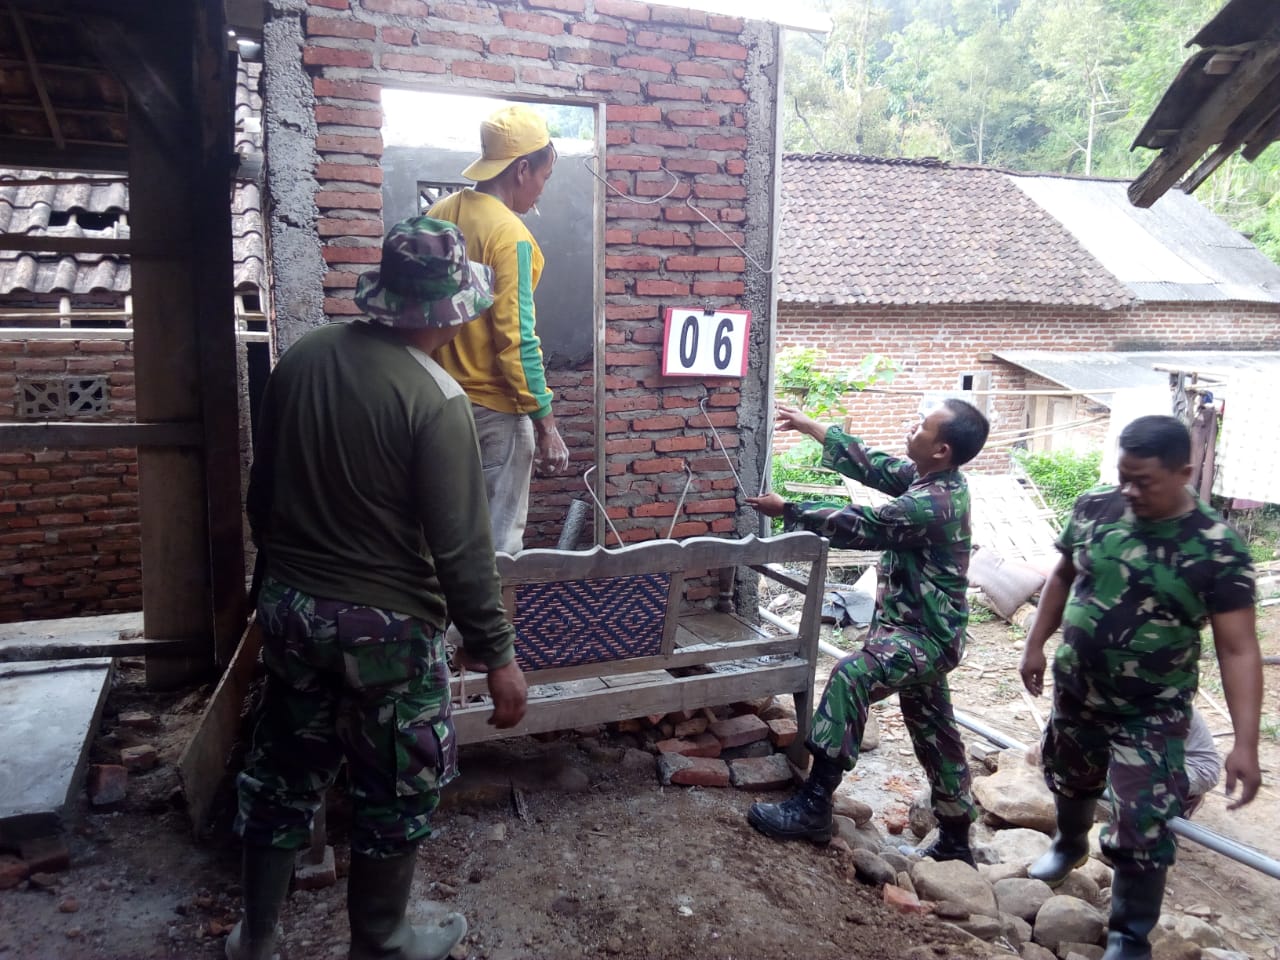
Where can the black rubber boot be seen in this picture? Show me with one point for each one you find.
(1136, 896)
(265, 874)
(807, 815)
(1070, 847)
(377, 896)
(952, 842)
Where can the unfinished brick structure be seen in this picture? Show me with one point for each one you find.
(69, 518)
(689, 91)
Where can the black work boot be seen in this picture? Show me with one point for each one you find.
(1070, 847)
(952, 842)
(807, 815)
(1136, 896)
(265, 874)
(377, 896)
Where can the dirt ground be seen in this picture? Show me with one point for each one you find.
(571, 848)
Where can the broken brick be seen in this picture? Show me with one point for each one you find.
(707, 745)
(693, 771)
(903, 900)
(691, 727)
(107, 784)
(761, 773)
(739, 730)
(140, 758)
(782, 732)
(12, 871)
(45, 854)
(139, 720)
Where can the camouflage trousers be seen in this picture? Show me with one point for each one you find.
(353, 682)
(1144, 758)
(917, 671)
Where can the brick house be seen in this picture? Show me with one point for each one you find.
(959, 272)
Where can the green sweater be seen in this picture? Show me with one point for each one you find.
(366, 485)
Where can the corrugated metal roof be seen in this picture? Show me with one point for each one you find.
(1175, 250)
(1099, 373)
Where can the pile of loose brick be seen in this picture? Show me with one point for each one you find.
(737, 745)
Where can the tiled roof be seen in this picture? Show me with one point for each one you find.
(866, 230)
(65, 198)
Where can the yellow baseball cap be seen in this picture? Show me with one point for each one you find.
(510, 133)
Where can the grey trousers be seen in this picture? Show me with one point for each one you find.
(506, 454)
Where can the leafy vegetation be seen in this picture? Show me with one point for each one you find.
(1054, 86)
(821, 392)
(1061, 476)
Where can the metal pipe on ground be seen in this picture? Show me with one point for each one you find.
(1216, 842)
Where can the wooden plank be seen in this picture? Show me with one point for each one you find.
(711, 626)
(695, 654)
(675, 597)
(41, 155)
(215, 322)
(698, 553)
(1209, 123)
(810, 628)
(780, 576)
(203, 763)
(33, 68)
(176, 595)
(14, 652)
(70, 435)
(31, 244)
(663, 696)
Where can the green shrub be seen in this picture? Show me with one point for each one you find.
(1061, 476)
(821, 392)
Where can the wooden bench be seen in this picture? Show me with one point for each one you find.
(606, 634)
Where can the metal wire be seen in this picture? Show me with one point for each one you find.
(586, 481)
(688, 482)
(702, 405)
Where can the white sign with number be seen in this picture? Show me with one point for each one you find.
(705, 343)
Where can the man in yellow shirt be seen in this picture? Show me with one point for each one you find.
(498, 359)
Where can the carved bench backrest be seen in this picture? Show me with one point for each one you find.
(590, 606)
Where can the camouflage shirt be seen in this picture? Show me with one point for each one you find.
(1143, 592)
(924, 534)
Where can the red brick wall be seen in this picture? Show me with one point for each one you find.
(674, 82)
(69, 518)
(935, 345)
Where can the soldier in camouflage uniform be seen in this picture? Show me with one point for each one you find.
(1145, 566)
(917, 635)
(367, 503)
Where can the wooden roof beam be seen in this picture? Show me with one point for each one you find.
(20, 28)
(1210, 123)
(1245, 128)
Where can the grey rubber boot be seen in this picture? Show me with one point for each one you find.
(265, 874)
(1070, 848)
(377, 897)
(807, 815)
(1136, 897)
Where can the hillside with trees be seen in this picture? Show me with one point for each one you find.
(1055, 86)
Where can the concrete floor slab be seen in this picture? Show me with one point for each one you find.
(49, 712)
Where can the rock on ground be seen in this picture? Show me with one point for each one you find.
(955, 881)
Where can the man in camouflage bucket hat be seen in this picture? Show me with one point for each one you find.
(1145, 565)
(917, 635)
(367, 501)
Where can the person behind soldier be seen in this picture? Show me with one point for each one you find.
(367, 501)
(498, 359)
